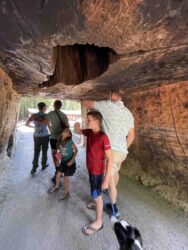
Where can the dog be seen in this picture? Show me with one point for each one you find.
(129, 237)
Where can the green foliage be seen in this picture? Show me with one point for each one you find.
(31, 102)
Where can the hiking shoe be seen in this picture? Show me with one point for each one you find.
(45, 166)
(33, 171)
(63, 196)
(116, 214)
(52, 189)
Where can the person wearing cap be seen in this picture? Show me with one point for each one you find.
(40, 136)
(118, 124)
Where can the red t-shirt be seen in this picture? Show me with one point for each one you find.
(97, 144)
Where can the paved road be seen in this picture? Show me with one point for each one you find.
(31, 219)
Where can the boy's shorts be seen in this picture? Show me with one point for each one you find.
(95, 184)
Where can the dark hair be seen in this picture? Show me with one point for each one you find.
(66, 139)
(97, 116)
(41, 105)
(58, 104)
(118, 92)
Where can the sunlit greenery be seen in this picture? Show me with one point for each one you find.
(31, 102)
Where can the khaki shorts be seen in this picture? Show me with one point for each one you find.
(117, 159)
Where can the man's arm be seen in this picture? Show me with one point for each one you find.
(108, 171)
(77, 128)
(88, 104)
(130, 137)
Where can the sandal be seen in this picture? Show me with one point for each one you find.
(91, 205)
(63, 196)
(52, 189)
(92, 229)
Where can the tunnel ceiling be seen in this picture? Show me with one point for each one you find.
(82, 48)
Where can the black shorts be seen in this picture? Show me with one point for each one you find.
(67, 170)
(53, 144)
(95, 184)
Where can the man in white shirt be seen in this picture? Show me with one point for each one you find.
(118, 124)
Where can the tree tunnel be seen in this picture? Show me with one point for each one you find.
(83, 50)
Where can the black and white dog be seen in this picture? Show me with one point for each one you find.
(129, 237)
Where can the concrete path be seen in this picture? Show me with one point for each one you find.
(31, 219)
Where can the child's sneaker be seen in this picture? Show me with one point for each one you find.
(63, 196)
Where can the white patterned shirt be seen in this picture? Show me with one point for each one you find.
(117, 121)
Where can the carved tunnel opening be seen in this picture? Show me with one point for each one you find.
(77, 63)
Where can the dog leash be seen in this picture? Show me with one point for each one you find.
(111, 202)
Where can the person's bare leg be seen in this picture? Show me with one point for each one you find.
(97, 224)
(112, 187)
(55, 164)
(58, 179)
(66, 184)
(99, 209)
(54, 158)
(117, 178)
